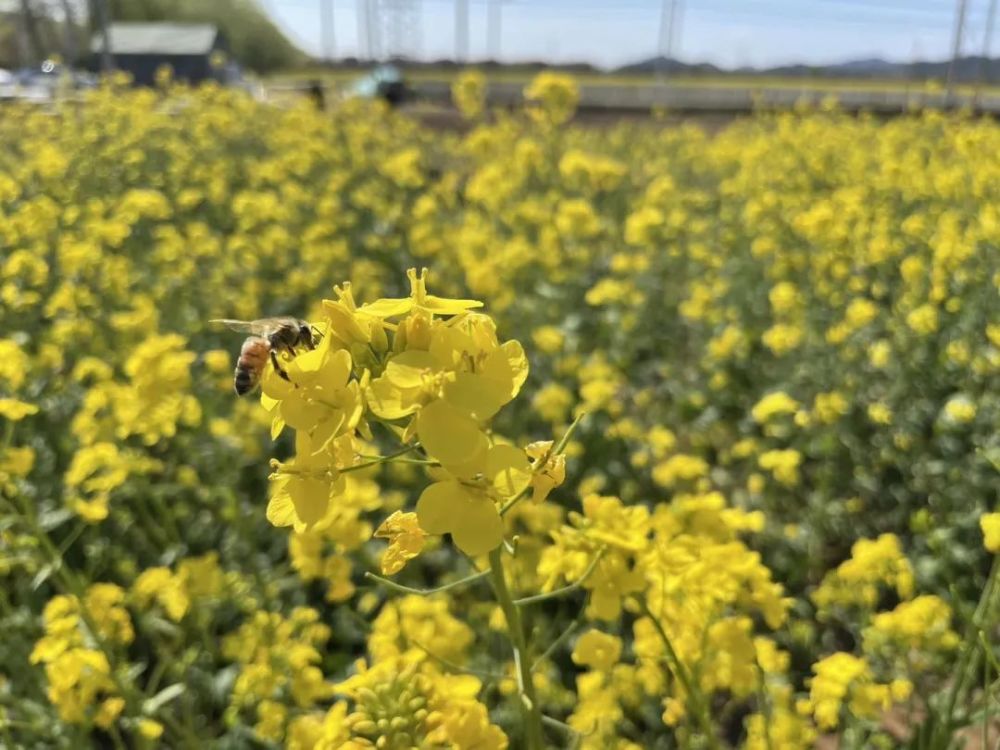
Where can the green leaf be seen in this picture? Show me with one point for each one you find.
(43, 575)
(151, 705)
(50, 519)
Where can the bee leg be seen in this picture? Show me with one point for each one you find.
(278, 368)
(317, 335)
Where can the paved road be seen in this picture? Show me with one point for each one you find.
(718, 99)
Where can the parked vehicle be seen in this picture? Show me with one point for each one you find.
(383, 82)
(40, 83)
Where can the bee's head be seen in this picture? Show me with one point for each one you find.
(305, 332)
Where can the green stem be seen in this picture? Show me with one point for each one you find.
(696, 701)
(970, 658)
(327, 473)
(457, 668)
(765, 705)
(174, 532)
(426, 592)
(72, 537)
(116, 737)
(988, 651)
(530, 710)
(152, 527)
(987, 708)
(560, 725)
(416, 462)
(564, 440)
(565, 589)
(514, 501)
(572, 628)
(76, 588)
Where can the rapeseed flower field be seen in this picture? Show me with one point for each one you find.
(621, 437)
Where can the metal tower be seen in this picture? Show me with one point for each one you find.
(399, 27)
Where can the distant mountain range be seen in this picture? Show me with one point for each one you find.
(967, 69)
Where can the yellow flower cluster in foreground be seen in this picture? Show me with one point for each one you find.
(744, 495)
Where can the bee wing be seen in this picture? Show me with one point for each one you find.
(243, 326)
(261, 327)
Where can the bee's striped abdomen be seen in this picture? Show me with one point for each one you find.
(253, 357)
(244, 381)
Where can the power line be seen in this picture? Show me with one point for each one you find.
(668, 12)
(956, 44)
(987, 40)
(991, 16)
(893, 18)
(830, 9)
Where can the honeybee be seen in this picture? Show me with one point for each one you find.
(267, 338)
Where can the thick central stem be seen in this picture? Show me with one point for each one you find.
(530, 709)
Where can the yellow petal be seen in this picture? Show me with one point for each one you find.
(267, 402)
(463, 686)
(335, 373)
(447, 434)
(518, 364)
(438, 505)
(311, 498)
(309, 453)
(389, 402)
(387, 308)
(299, 413)
(480, 528)
(473, 466)
(444, 306)
(306, 364)
(15, 410)
(476, 395)
(328, 428)
(409, 369)
(280, 510)
(275, 386)
(343, 324)
(509, 469)
(444, 346)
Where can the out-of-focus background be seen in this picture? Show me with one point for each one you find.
(715, 464)
(710, 57)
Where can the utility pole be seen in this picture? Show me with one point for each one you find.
(494, 21)
(71, 37)
(31, 35)
(461, 31)
(668, 16)
(327, 38)
(372, 24)
(23, 45)
(676, 30)
(399, 27)
(104, 24)
(361, 14)
(956, 46)
(991, 16)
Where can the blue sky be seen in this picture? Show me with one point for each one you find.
(725, 32)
